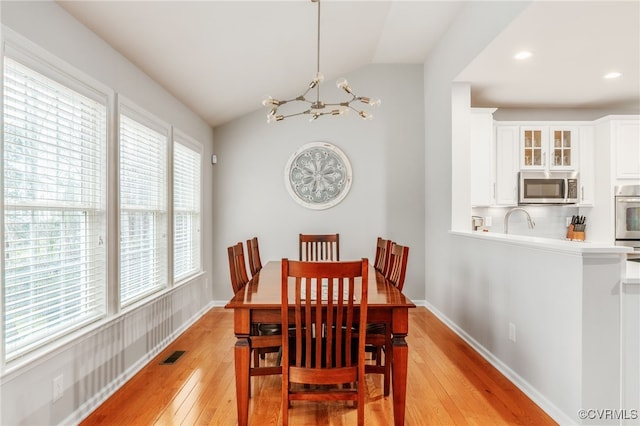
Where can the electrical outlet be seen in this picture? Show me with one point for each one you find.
(487, 221)
(567, 221)
(512, 332)
(58, 387)
(206, 283)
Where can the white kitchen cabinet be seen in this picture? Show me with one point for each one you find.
(626, 149)
(506, 182)
(482, 161)
(548, 148)
(587, 166)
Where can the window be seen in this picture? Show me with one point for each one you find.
(143, 205)
(54, 221)
(186, 208)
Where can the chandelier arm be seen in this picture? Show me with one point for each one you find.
(297, 113)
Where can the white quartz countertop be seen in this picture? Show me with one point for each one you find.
(577, 247)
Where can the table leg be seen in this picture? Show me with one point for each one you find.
(242, 358)
(399, 374)
(399, 362)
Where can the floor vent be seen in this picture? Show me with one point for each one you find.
(172, 358)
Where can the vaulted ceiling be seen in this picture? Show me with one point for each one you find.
(221, 58)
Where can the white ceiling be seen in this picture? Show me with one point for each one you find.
(221, 58)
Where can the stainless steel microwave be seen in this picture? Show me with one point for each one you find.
(548, 187)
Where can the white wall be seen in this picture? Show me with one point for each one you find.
(475, 27)
(386, 198)
(93, 364)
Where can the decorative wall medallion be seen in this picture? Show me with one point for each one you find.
(318, 175)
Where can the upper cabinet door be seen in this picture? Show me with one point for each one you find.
(563, 148)
(626, 149)
(506, 185)
(533, 148)
(548, 148)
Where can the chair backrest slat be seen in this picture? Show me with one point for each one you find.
(398, 265)
(383, 255)
(237, 267)
(319, 247)
(325, 297)
(253, 256)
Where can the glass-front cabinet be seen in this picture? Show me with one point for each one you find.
(532, 148)
(547, 148)
(561, 148)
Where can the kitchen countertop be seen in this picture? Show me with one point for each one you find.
(565, 246)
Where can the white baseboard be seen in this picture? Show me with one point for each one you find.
(538, 398)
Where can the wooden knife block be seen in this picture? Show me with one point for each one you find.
(574, 235)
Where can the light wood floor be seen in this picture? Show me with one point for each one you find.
(448, 384)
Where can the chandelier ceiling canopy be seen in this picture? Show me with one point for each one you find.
(318, 108)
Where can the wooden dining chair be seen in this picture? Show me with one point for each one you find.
(253, 256)
(319, 247)
(239, 279)
(398, 265)
(379, 334)
(323, 357)
(237, 268)
(383, 254)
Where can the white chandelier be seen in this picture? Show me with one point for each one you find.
(317, 108)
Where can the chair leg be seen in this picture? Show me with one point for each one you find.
(285, 405)
(256, 358)
(360, 401)
(388, 360)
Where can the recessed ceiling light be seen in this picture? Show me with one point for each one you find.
(611, 75)
(522, 55)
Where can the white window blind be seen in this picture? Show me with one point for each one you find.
(54, 268)
(186, 211)
(143, 209)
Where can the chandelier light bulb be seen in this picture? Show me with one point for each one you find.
(374, 102)
(270, 101)
(365, 115)
(273, 117)
(344, 85)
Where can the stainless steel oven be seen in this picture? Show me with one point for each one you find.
(548, 188)
(627, 211)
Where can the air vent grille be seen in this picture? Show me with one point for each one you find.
(173, 358)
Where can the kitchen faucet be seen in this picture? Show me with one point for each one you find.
(531, 223)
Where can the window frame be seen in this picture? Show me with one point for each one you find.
(141, 116)
(182, 138)
(50, 67)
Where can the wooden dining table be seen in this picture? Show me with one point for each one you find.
(259, 302)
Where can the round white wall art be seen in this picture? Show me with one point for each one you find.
(318, 175)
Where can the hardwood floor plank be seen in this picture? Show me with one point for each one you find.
(448, 384)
